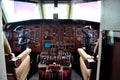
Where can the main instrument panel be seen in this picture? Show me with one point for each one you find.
(49, 35)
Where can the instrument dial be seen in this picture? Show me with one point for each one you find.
(47, 32)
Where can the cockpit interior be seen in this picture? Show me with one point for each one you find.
(53, 44)
(56, 40)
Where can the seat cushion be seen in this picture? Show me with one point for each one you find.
(23, 69)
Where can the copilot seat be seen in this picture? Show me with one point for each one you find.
(88, 63)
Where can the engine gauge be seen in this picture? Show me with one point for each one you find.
(78, 32)
(79, 38)
(47, 32)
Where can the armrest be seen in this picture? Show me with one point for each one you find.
(24, 54)
(90, 63)
(12, 62)
(15, 62)
(83, 54)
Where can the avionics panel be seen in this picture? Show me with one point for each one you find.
(49, 35)
(58, 36)
(34, 37)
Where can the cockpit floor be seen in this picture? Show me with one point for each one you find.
(74, 76)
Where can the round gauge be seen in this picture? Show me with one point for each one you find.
(26, 31)
(78, 32)
(47, 32)
(78, 38)
(32, 33)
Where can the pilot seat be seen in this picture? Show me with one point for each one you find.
(17, 66)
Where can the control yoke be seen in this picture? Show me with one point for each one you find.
(21, 35)
(89, 38)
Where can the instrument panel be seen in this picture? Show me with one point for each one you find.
(48, 35)
(58, 36)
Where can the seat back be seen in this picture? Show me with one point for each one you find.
(94, 69)
(95, 51)
(11, 75)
